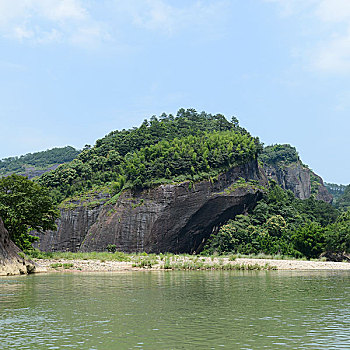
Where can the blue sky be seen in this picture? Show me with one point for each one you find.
(71, 71)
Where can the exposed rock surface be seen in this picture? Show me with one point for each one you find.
(174, 218)
(31, 172)
(73, 225)
(322, 191)
(336, 256)
(299, 179)
(10, 262)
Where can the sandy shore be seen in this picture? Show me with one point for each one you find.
(59, 265)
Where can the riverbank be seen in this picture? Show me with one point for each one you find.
(178, 262)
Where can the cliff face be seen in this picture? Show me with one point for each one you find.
(10, 262)
(168, 218)
(73, 225)
(299, 179)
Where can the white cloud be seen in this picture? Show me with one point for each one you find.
(293, 7)
(45, 21)
(330, 51)
(76, 22)
(161, 16)
(333, 55)
(334, 10)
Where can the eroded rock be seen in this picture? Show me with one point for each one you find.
(11, 263)
(167, 218)
(299, 179)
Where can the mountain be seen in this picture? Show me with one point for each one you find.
(170, 184)
(36, 164)
(335, 190)
(282, 164)
(343, 201)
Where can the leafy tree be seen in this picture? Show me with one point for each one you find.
(337, 235)
(276, 154)
(25, 206)
(278, 225)
(309, 240)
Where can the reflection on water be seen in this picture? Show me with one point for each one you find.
(176, 310)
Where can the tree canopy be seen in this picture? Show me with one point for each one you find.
(189, 145)
(280, 224)
(275, 154)
(25, 206)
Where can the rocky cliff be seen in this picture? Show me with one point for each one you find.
(11, 263)
(281, 163)
(167, 218)
(77, 216)
(299, 179)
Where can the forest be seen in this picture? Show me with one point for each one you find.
(282, 224)
(43, 159)
(188, 146)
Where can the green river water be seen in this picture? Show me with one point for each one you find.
(176, 310)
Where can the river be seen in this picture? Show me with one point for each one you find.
(176, 310)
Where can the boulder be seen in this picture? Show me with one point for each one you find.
(11, 262)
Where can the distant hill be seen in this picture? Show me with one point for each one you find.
(343, 200)
(36, 164)
(335, 190)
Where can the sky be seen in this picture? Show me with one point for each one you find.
(71, 71)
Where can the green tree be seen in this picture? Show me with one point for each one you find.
(25, 206)
(309, 240)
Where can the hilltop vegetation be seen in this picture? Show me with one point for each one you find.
(37, 160)
(170, 148)
(280, 154)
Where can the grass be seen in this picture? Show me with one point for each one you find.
(191, 265)
(65, 265)
(106, 256)
(166, 261)
(233, 257)
(153, 259)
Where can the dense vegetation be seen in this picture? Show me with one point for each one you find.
(189, 145)
(343, 201)
(25, 206)
(42, 159)
(279, 154)
(283, 224)
(341, 195)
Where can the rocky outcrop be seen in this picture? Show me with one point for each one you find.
(73, 226)
(299, 179)
(32, 172)
(11, 263)
(322, 193)
(168, 218)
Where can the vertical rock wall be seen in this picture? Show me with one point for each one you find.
(174, 218)
(298, 179)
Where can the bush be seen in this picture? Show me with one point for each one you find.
(309, 240)
(112, 248)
